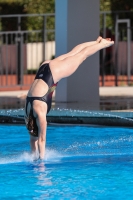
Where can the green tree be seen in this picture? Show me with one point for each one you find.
(39, 7)
(121, 5)
(117, 6)
(105, 5)
(10, 7)
(27, 7)
(126, 5)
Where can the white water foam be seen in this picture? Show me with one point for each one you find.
(51, 156)
(24, 157)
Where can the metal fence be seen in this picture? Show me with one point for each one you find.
(22, 51)
(116, 63)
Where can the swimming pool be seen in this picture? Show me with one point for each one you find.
(82, 162)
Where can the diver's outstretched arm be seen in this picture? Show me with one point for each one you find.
(34, 146)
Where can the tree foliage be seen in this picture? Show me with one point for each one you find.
(126, 5)
(48, 6)
(39, 7)
(117, 6)
(105, 5)
(26, 7)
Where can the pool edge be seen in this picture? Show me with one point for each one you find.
(104, 118)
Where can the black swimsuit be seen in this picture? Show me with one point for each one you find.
(45, 74)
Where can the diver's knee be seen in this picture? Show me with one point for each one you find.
(41, 139)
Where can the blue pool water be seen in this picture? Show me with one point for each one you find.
(81, 163)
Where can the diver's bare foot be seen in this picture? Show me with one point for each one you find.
(106, 42)
(109, 39)
(99, 39)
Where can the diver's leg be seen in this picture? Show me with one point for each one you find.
(64, 68)
(78, 48)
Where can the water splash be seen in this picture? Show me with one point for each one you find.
(74, 113)
(24, 157)
(82, 113)
(12, 112)
(51, 156)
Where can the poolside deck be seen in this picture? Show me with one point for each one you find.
(111, 98)
(103, 91)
